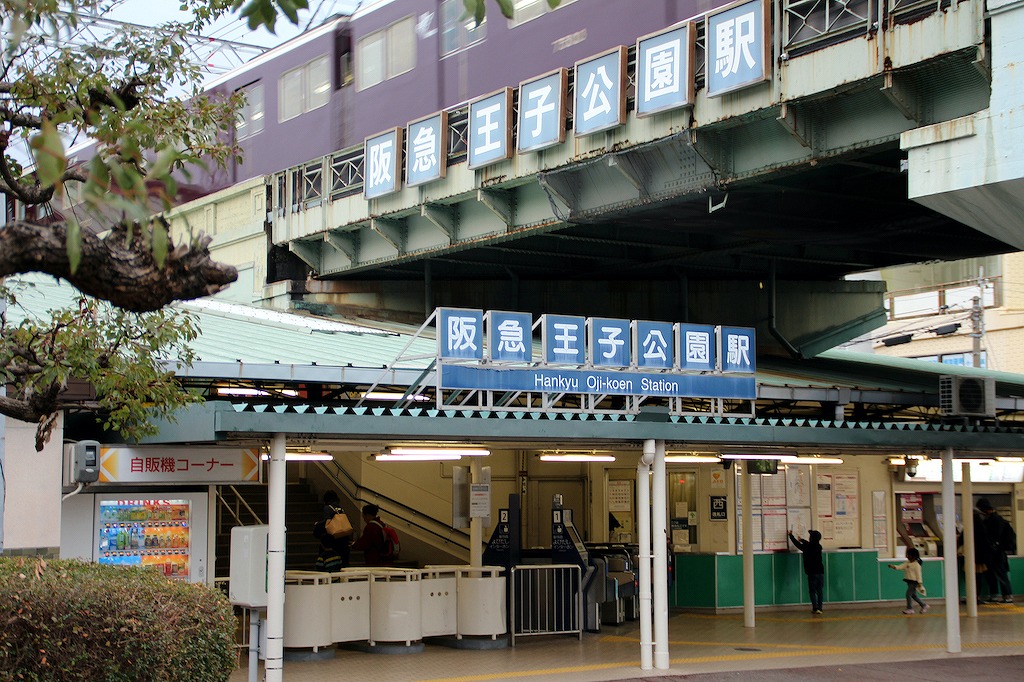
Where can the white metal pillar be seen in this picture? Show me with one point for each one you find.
(659, 537)
(643, 532)
(276, 487)
(476, 526)
(748, 546)
(949, 554)
(967, 516)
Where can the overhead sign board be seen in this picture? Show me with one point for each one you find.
(490, 129)
(493, 350)
(427, 157)
(179, 465)
(600, 92)
(541, 121)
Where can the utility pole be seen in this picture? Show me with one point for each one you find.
(977, 329)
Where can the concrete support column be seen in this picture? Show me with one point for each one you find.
(643, 534)
(949, 554)
(476, 525)
(967, 515)
(747, 524)
(276, 487)
(659, 537)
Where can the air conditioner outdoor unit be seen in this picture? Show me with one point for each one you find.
(967, 396)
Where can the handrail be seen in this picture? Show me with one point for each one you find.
(360, 494)
(238, 500)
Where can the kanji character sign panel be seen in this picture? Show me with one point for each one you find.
(426, 159)
(664, 71)
(490, 129)
(542, 111)
(600, 92)
(738, 48)
(381, 167)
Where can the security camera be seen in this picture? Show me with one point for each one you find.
(911, 468)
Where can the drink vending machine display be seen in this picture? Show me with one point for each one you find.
(153, 533)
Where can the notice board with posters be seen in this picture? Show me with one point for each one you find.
(838, 508)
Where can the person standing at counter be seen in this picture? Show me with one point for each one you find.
(1003, 541)
(814, 567)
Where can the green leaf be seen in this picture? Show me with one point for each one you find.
(48, 150)
(74, 244)
(160, 242)
(554, 3)
(481, 11)
(507, 8)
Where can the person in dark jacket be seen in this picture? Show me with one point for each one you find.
(333, 554)
(814, 567)
(372, 542)
(1003, 542)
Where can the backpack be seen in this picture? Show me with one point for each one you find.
(392, 546)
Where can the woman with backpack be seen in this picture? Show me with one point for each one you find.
(333, 554)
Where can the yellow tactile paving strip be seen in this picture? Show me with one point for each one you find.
(697, 643)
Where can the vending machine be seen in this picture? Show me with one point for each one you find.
(166, 533)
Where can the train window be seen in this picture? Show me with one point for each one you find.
(319, 83)
(304, 89)
(524, 10)
(250, 116)
(458, 30)
(386, 53)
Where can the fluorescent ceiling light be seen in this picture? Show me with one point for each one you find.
(249, 392)
(1010, 459)
(696, 459)
(744, 455)
(898, 461)
(576, 457)
(437, 457)
(395, 395)
(303, 456)
(429, 454)
(811, 460)
(458, 452)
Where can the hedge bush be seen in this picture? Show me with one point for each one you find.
(71, 620)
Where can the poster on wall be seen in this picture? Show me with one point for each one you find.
(718, 478)
(798, 485)
(799, 520)
(838, 503)
(824, 494)
(773, 490)
(774, 535)
(620, 496)
(756, 522)
(880, 522)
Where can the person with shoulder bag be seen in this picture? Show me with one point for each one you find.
(334, 551)
(373, 542)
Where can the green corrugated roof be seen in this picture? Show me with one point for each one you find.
(234, 333)
(238, 333)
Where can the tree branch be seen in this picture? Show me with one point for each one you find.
(124, 274)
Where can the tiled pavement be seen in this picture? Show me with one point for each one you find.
(719, 644)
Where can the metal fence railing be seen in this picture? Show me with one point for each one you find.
(546, 600)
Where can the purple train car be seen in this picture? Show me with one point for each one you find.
(394, 61)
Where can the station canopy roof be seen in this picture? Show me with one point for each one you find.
(259, 362)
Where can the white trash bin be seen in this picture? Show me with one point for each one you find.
(481, 601)
(307, 609)
(438, 597)
(350, 605)
(395, 605)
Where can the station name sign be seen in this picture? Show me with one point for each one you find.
(494, 351)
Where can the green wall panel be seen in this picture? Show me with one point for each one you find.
(730, 580)
(694, 585)
(838, 577)
(865, 576)
(934, 580)
(764, 580)
(790, 581)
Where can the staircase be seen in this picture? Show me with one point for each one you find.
(302, 509)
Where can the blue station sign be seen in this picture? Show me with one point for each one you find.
(494, 351)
